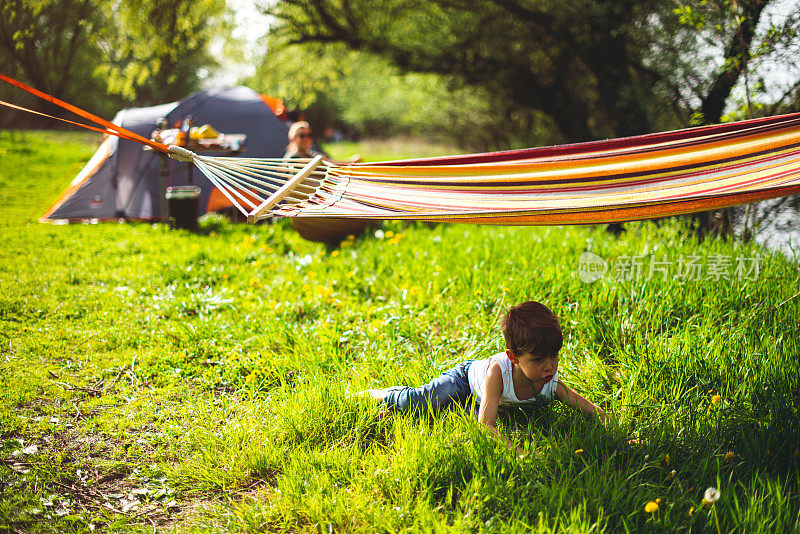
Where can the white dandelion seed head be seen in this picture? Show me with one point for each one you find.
(712, 495)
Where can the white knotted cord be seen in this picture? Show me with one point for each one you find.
(248, 183)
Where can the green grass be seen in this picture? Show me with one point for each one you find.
(197, 382)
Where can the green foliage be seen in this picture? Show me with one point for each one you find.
(553, 71)
(158, 61)
(53, 46)
(579, 65)
(727, 60)
(99, 54)
(200, 381)
(341, 87)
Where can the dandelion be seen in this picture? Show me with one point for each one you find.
(715, 399)
(579, 451)
(478, 293)
(255, 283)
(389, 234)
(729, 456)
(651, 507)
(438, 268)
(712, 495)
(691, 511)
(334, 253)
(269, 250)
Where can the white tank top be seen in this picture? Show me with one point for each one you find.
(478, 370)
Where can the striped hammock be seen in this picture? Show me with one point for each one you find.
(657, 175)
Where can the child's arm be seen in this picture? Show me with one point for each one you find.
(568, 396)
(490, 403)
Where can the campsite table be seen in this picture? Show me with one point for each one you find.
(222, 145)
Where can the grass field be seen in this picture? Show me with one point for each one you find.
(157, 380)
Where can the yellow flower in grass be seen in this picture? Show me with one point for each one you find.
(579, 451)
(729, 456)
(438, 268)
(255, 283)
(334, 253)
(651, 507)
(715, 399)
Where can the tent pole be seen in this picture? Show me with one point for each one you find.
(284, 190)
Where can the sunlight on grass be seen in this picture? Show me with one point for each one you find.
(162, 377)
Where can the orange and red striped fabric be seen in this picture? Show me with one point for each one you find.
(633, 178)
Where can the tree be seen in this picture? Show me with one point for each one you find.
(102, 54)
(328, 83)
(580, 64)
(707, 50)
(596, 69)
(155, 48)
(51, 44)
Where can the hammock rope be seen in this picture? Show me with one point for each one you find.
(616, 180)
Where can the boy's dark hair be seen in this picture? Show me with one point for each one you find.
(531, 328)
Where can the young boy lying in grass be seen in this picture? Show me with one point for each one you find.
(527, 370)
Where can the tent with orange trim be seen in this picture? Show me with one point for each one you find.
(121, 180)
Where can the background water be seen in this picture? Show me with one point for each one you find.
(774, 223)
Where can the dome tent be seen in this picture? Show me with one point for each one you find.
(121, 181)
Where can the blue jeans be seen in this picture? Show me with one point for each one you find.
(450, 387)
